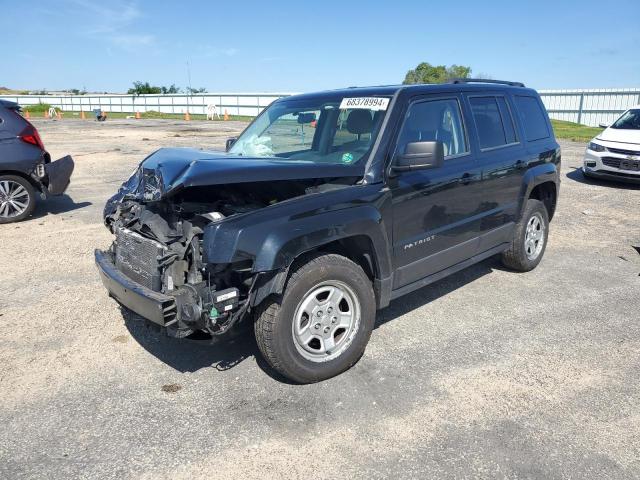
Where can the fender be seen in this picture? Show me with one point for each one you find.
(276, 241)
(274, 236)
(546, 172)
(284, 245)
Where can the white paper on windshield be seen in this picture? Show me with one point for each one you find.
(366, 103)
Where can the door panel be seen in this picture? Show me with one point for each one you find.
(503, 161)
(435, 211)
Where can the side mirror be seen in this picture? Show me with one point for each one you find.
(603, 125)
(230, 142)
(419, 156)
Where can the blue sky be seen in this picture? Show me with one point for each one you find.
(308, 45)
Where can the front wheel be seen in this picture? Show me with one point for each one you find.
(17, 198)
(529, 238)
(321, 325)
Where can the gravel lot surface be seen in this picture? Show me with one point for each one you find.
(486, 374)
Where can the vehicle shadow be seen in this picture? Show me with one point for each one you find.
(192, 353)
(57, 205)
(577, 176)
(226, 352)
(429, 293)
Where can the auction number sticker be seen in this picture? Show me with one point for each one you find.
(366, 103)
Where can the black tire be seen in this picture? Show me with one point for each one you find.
(7, 213)
(274, 326)
(519, 255)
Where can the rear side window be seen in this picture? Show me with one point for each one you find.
(533, 118)
(493, 121)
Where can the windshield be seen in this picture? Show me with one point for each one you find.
(338, 130)
(629, 120)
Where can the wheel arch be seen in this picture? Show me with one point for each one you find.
(17, 173)
(541, 183)
(356, 233)
(547, 193)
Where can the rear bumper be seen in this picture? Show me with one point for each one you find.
(154, 306)
(59, 175)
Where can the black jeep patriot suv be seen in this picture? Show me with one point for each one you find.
(329, 206)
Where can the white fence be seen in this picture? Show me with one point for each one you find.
(589, 107)
(246, 104)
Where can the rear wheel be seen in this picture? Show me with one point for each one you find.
(321, 324)
(17, 198)
(529, 238)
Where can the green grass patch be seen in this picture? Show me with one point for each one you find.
(153, 115)
(10, 91)
(37, 108)
(574, 131)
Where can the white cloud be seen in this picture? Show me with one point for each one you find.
(126, 40)
(270, 59)
(213, 51)
(229, 52)
(113, 22)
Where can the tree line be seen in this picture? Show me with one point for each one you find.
(423, 73)
(142, 88)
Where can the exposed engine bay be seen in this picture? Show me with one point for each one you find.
(158, 245)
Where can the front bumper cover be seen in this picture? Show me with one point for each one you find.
(154, 306)
(609, 175)
(59, 175)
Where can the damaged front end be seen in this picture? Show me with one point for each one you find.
(159, 247)
(157, 265)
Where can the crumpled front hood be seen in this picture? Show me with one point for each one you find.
(170, 170)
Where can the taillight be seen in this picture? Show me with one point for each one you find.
(30, 135)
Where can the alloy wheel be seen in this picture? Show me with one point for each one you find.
(14, 199)
(326, 321)
(534, 236)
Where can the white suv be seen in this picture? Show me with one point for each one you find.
(615, 153)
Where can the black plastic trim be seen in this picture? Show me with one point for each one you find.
(485, 80)
(448, 271)
(620, 177)
(154, 306)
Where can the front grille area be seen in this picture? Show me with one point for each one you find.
(623, 152)
(611, 162)
(137, 257)
(622, 163)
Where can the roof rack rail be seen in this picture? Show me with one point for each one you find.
(483, 80)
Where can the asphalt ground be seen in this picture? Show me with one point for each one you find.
(486, 374)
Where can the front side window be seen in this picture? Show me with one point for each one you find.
(324, 130)
(434, 120)
(629, 120)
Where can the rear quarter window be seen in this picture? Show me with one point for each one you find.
(534, 119)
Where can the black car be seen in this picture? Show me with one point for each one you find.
(327, 207)
(26, 169)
